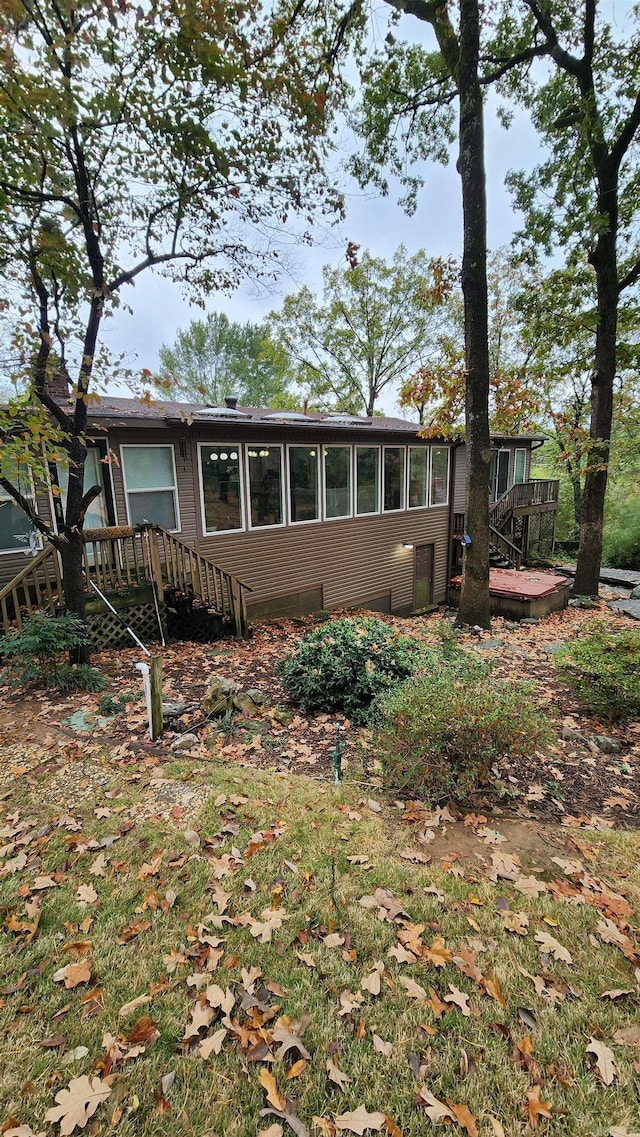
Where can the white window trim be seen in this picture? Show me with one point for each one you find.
(108, 466)
(519, 450)
(402, 508)
(151, 489)
(35, 543)
(265, 446)
(440, 504)
(343, 516)
(374, 512)
(428, 483)
(243, 523)
(318, 450)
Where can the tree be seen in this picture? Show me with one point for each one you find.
(415, 90)
(583, 197)
(216, 357)
(373, 326)
(173, 136)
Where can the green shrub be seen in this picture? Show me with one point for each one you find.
(35, 654)
(621, 543)
(438, 735)
(604, 671)
(344, 664)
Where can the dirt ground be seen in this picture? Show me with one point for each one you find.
(572, 782)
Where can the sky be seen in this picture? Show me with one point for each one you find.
(376, 223)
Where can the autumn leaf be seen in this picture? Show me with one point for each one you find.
(605, 1061)
(517, 922)
(382, 1047)
(550, 946)
(270, 1086)
(288, 1034)
(336, 1074)
(413, 989)
(434, 1109)
(86, 894)
(371, 982)
(437, 954)
(459, 998)
(358, 1121)
(464, 1117)
(492, 987)
(212, 1045)
(22, 1131)
(537, 1108)
(73, 974)
(78, 1102)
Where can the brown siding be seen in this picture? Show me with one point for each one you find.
(460, 482)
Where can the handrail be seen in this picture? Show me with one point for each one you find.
(46, 591)
(537, 491)
(512, 551)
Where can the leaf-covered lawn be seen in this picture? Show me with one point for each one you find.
(292, 958)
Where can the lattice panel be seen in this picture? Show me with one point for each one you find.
(197, 625)
(107, 632)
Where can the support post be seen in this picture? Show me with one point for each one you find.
(155, 680)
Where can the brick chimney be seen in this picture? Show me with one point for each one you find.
(58, 385)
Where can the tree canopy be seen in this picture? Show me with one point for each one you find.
(372, 327)
(216, 357)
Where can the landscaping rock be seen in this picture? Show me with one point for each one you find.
(220, 694)
(491, 644)
(281, 715)
(568, 734)
(259, 698)
(605, 744)
(243, 702)
(635, 593)
(629, 607)
(171, 710)
(184, 742)
(554, 648)
(253, 726)
(529, 622)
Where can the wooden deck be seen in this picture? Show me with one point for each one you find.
(123, 559)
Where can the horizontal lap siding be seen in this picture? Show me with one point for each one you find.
(460, 480)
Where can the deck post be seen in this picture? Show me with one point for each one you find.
(156, 564)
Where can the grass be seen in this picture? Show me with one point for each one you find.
(314, 828)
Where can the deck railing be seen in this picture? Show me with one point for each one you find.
(539, 491)
(123, 557)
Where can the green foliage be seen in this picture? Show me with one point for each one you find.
(111, 704)
(622, 536)
(438, 734)
(346, 663)
(604, 671)
(34, 654)
(216, 357)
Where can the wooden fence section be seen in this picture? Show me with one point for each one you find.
(121, 558)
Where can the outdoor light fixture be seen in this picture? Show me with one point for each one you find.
(407, 545)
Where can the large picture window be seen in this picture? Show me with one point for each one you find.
(304, 502)
(221, 487)
(265, 485)
(367, 479)
(418, 476)
(337, 481)
(393, 478)
(150, 485)
(439, 475)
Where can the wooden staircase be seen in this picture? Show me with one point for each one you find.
(122, 559)
(508, 519)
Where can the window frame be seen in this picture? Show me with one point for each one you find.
(401, 508)
(159, 489)
(265, 446)
(243, 522)
(318, 449)
(33, 547)
(337, 446)
(427, 504)
(445, 503)
(372, 513)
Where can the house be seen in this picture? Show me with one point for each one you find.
(302, 511)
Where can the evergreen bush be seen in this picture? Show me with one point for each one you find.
(604, 671)
(35, 652)
(438, 734)
(346, 663)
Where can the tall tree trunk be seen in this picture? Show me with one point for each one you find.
(604, 260)
(576, 486)
(474, 596)
(73, 589)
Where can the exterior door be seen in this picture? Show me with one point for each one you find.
(499, 473)
(423, 578)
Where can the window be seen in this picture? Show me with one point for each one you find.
(337, 481)
(393, 478)
(97, 515)
(303, 484)
(439, 475)
(150, 485)
(418, 476)
(221, 488)
(367, 479)
(519, 467)
(265, 485)
(17, 534)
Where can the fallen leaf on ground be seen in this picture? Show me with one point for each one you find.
(336, 1074)
(358, 1121)
(465, 1118)
(459, 998)
(605, 1062)
(537, 1108)
(382, 1047)
(413, 989)
(73, 974)
(78, 1102)
(212, 1045)
(434, 1109)
(550, 946)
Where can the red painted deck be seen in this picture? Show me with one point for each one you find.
(522, 585)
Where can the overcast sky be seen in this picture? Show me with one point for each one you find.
(372, 222)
